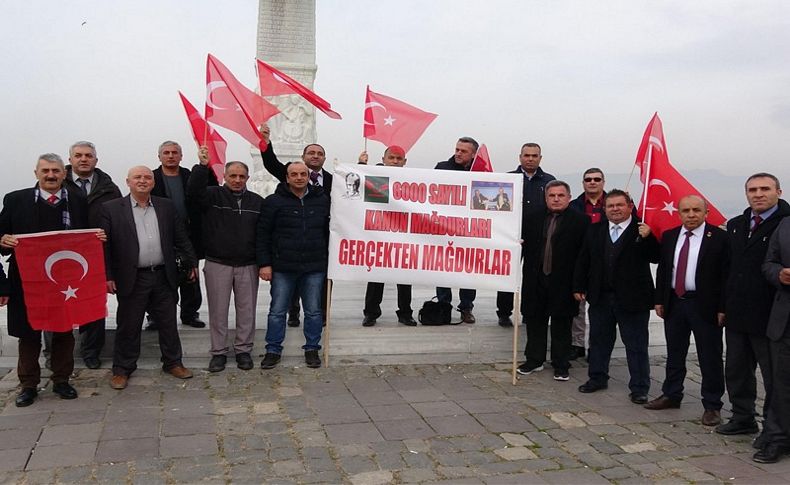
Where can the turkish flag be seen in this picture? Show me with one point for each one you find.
(482, 162)
(276, 83)
(63, 278)
(663, 185)
(393, 122)
(231, 105)
(204, 134)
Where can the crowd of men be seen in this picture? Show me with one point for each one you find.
(583, 257)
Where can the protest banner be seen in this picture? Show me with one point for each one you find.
(427, 227)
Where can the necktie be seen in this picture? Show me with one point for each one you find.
(53, 199)
(83, 185)
(547, 247)
(757, 220)
(615, 232)
(314, 179)
(680, 270)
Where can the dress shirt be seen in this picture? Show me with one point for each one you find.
(320, 179)
(43, 194)
(623, 225)
(88, 187)
(764, 215)
(695, 242)
(148, 239)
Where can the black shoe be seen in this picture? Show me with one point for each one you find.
(217, 363)
(244, 361)
(560, 375)
(591, 386)
(194, 323)
(270, 360)
(770, 454)
(526, 369)
(760, 442)
(64, 390)
(92, 362)
(26, 397)
(311, 359)
(576, 352)
(407, 320)
(368, 321)
(505, 322)
(733, 427)
(638, 398)
(293, 320)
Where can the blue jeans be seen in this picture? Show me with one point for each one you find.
(467, 297)
(605, 316)
(282, 288)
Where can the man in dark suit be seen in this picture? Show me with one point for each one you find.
(170, 181)
(144, 236)
(49, 206)
(533, 201)
(777, 272)
(748, 302)
(613, 275)
(82, 175)
(314, 157)
(690, 298)
(552, 239)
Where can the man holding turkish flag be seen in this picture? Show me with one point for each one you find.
(233, 106)
(205, 135)
(393, 122)
(50, 286)
(664, 186)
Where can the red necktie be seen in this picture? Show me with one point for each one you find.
(53, 199)
(757, 220)
(680, 270)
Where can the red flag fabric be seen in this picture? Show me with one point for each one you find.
(276, 83)
(393, 122)
(482, 162)
(63, 278)
(663, 185)
(231, 105)
(204, 134)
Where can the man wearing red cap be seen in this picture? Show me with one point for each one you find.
(394, 156)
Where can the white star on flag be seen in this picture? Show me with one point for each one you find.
(70, 292)
(389, 120)
(669, 207)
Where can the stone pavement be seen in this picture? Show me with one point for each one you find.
(365, 424)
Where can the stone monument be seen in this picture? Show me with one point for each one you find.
(286, 40)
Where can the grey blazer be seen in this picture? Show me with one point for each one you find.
(778, 257)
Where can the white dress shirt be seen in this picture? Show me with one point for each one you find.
(695, 242)
(622, 226)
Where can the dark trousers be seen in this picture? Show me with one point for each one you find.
(62, 354)
(294, 308)
(605, 316)
(537, 330)
(92, 339)
(681, 321)
(777, 424)
(745, 352)
(375, 293)
(190, 300)
(151, 292)
(466, 295)
(504, 303)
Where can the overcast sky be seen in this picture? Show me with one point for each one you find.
(581, 78)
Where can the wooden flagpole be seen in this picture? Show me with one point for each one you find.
(325, 337)
(516, 324)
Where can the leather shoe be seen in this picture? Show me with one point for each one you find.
(407, 320)
(505, 322)
(591, 386)
(196, 323)
(662, 402)
(770, 454)
(467, 316)
(638, 398)
(270, 360)
(26, 397)
(293, 321)
(244, 361)
(733, 427)
(119, 382)
(64, 390)
(368, 321)
(217, 363)
(311, 359)
(711, 417)
(92, 362)
(179, 372)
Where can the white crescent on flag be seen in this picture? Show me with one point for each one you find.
(210, 88)
(656, 142)
(371, 105)
(660, 183)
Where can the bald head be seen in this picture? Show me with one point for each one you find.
(692, 210)
(140, 180)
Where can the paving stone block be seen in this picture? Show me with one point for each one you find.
(455, 425)
(288, 468)
(70, 433)
(192, 445)
(380, 477)
(516, 439)
(19, 438)
(404, 428)
(357, 464)
(14, 459)
(50, 457)
(24, 421)
(580, 475)
(189, 426)
(439, 408)
(417, 475)
(389, 412)
(353, 433)
(127, 450)
(502, 422)
(567, 420)
(516, 453)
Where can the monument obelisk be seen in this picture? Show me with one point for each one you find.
(286, 40)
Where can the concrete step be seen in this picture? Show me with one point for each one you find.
(349, 342)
